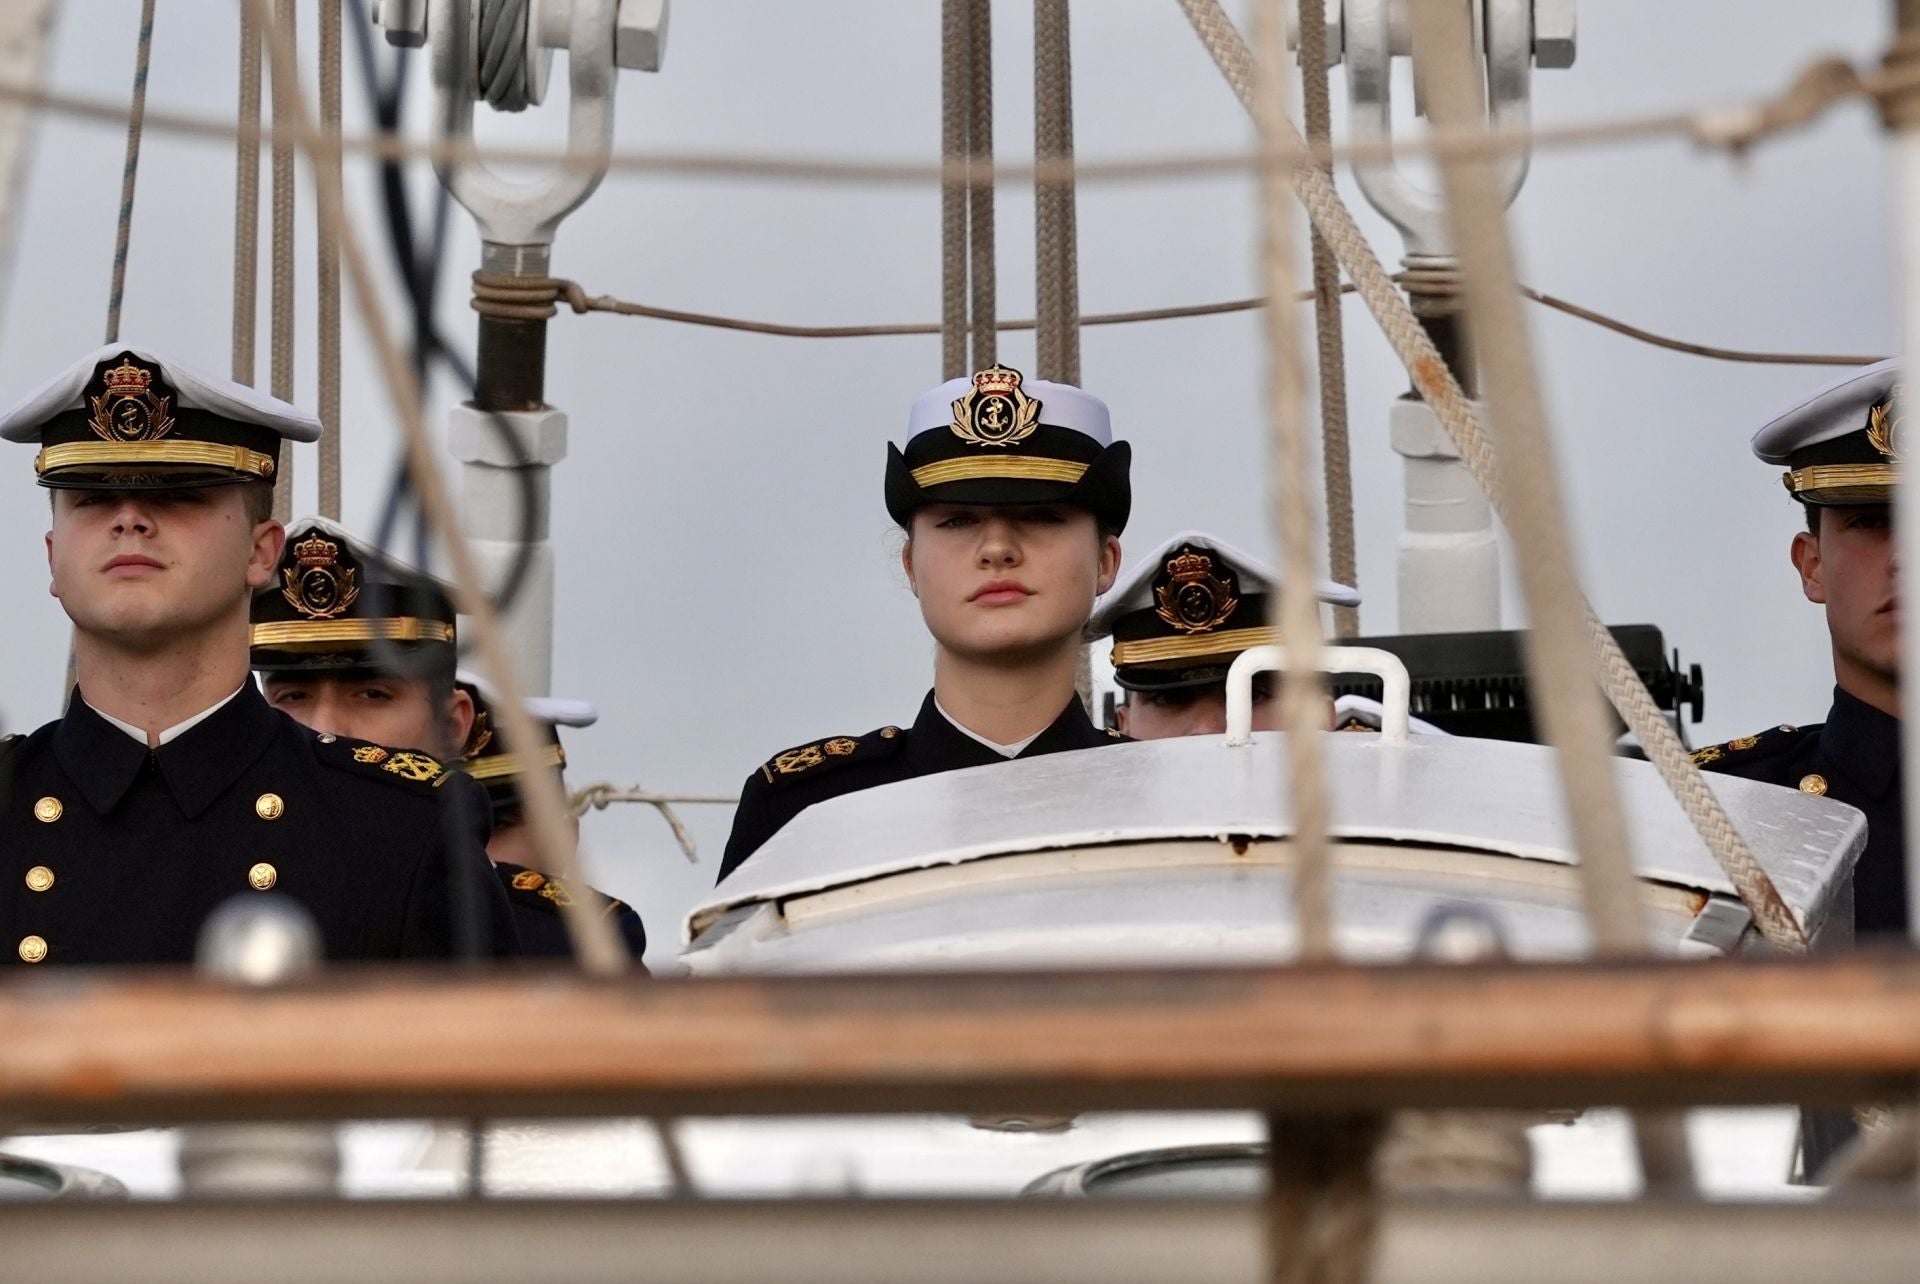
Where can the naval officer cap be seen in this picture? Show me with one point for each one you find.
(1841, 444)
(336, 603)
(1181, 615)
(127, 418)
(997, 437)
(486, 758)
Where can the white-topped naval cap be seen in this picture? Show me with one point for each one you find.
(1133, 591)
(195, 390)
(365, 549)
(1061, 405)
(555, 711)
(1354, 712)
(1838, 408)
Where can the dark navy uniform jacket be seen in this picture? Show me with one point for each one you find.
(536, 899)
(1854, 758)
(791, 781)
(114, 853)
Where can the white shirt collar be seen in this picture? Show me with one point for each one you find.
(177, 729)
(1013, 750)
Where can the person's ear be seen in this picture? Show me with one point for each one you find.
(269, 537)
(459, 719)
(1109, 562)
(906, 563)
(1806, 560)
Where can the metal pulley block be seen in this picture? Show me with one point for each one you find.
(500, 52)
(1367, 35)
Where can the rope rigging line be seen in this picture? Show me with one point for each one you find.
(136, 120)
(953, 191)
(603, 794)
(1336, 455)
(327, 266)
(542, 294)
(597, 944)
(1557, 659)
(1055, 225)
(1441, 391)
(246, 202)
(1734, 128)
(980, 181)
(281, 297)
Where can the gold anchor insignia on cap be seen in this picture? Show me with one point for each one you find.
(995, 412)
(1193, 597)
(269, 807)
(1813, 783)
(1883, 427)
(127, 408)
(39, 878)
(33, 949)
(48, 810)
(317, 585)
(262, 877)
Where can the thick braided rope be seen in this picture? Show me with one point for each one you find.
(280, 344)
(1336, 456)
(327, 283)
(986, 339)
(1056, 253)
(246, 202)
(1441, 391)
(136, 120)
(1290, 510)
(954, 83)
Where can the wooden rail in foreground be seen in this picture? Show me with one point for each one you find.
(364, 1043)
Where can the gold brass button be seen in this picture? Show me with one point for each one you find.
(32, 949)
(1813, 783)
(39, 878)
(269, 807)
(262, 877)
(47, 810)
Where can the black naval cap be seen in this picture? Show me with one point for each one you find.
(1181, 615)
(998, 437)
(1841, 445)
(127, 418)
(485, 756)
(339, 604)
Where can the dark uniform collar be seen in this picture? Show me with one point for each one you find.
(197, 766)
(1863, 742)
(935, 744)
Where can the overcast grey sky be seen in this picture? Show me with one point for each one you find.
(728, 585)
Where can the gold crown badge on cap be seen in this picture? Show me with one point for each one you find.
(1191, 596)
(127, 408)
(995, 412)
(317, 585)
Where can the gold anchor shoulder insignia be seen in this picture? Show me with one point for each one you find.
(1883, 426)
(132, 404)
(794, 761)
(1712, 753)
(369, 753)
(414, 766)
(996, 412)
(319, 584)
(556, 891)
(1193, 595)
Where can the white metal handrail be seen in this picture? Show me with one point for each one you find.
(1396, 687)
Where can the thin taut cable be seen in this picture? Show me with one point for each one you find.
(280, 358)
(246, 202)
(136, 121)
(327, 170)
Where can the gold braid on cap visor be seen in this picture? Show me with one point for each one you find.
(1232, 642)
(136, 454)
(494, 766)
(1843, 483)
(970, 468)
(296, 633)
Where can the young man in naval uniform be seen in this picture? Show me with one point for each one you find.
(170, 786)
(1179, 618)
(1012, 493)
(350, 641)
(1840, 447)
